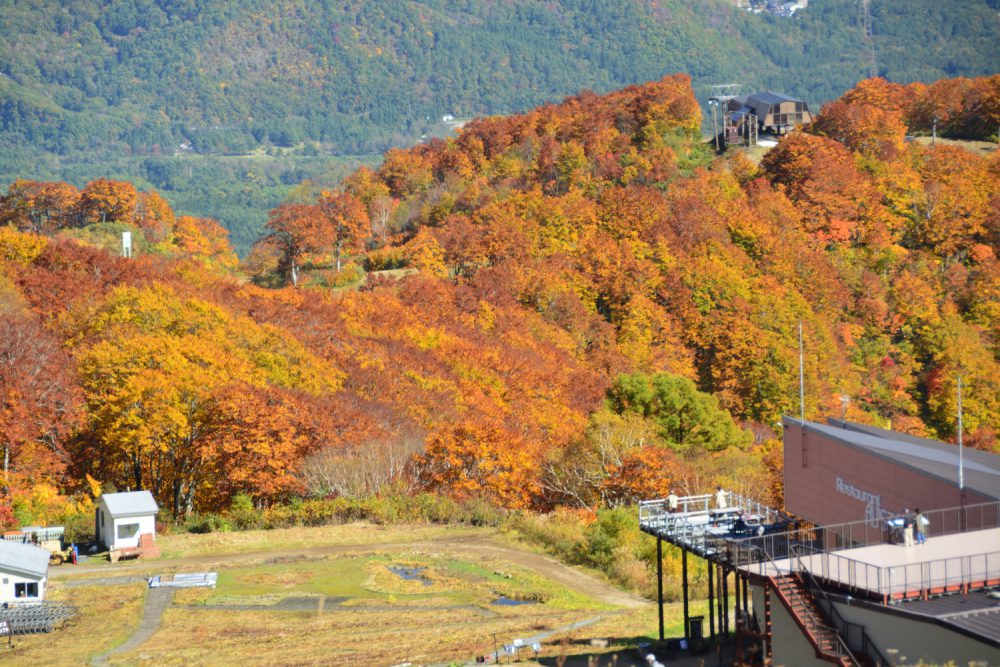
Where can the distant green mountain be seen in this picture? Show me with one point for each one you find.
(87, 86)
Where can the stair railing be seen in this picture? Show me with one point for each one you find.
(841, 626)
(840, 647)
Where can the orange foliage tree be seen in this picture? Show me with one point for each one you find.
(296, 230)
(39, 402)
(105, 200)
(37, 206)
(469, 460)
(348, 221)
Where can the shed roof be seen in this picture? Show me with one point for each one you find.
(24, 559)
(981, 470)
(131, 503)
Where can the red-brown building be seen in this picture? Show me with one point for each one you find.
(842, 471)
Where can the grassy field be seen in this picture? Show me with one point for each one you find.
(213, 544)
(106, 619)
(335, 596)
(978, 147)
(360, 611)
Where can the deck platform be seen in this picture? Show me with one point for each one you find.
(701, 529)
(890, 572)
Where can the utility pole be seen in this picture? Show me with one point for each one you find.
(961, 467)
(802, 383)
(715, 126)
(866, 24)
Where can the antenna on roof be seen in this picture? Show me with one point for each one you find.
(802, 384)
(961, 469)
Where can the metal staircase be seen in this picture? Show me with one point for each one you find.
(802, 607)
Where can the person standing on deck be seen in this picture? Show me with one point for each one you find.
(907, 527)
(720, 498)
(920, 526)
(672, 502)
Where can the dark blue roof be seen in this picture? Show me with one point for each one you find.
(770, 98)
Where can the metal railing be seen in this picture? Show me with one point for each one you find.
(855, 534)
(829, 633)
(853, 634)
(698, 524)
(896, 582)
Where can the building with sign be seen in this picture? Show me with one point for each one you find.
(841, 471)
(840, 581)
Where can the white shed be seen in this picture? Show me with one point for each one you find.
(123, 517)
(24, 569)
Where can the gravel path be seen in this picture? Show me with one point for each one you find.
(157, 601)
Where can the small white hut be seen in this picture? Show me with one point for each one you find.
(122, 518)
(24, 569)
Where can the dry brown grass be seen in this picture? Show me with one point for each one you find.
(385, 619)
(107, 617)
(300, 537)
(982, 148)
(220, 638)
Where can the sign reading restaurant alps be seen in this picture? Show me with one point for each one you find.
(874, 513)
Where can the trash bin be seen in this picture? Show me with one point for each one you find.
(695, 625)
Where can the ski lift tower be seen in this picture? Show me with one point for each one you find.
(721, 94)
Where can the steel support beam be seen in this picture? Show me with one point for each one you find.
(659, 581)
(684, 585)
(718, 594)
(725, 602)
(711, 600)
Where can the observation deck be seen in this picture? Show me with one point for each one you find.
(703, 530)
(869, 558)
(802, 565)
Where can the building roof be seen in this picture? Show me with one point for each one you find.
(976, 614)
(131, 503)
(981, 470)
(24, 559)
(770, 98)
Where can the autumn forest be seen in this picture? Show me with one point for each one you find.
(575, 308)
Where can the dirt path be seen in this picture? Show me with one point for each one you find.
(550, 568)
(157, 600)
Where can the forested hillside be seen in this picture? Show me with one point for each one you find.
(577, 306)
(112, 89)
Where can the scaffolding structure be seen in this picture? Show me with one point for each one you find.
(703, 528)
(738, 129)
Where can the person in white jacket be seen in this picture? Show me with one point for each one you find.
(720, 499)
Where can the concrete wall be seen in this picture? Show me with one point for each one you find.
(814, 463)
(789, 646)
(905, 640)
(8, 580)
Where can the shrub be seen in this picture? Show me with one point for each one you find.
(206, 523)
(385, 259)
(79, 528)
(243, 515)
